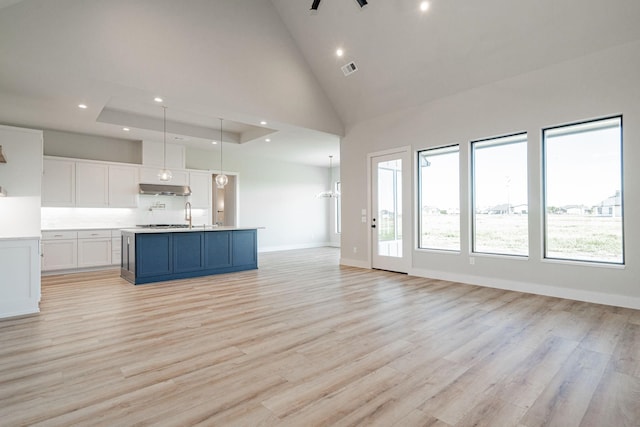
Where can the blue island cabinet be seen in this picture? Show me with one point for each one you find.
(153, 255)
(159, 256)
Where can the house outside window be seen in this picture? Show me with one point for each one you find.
(500, 196)
(439, 198)
(583, 197)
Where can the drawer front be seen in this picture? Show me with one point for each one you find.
(94, 234)
(59, 235)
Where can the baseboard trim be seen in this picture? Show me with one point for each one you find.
(532, 288)
(354, 263)
(79, 270)
(293, 247)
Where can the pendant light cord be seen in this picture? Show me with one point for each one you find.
(164, 133)
(221, 146)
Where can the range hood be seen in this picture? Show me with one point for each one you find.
(165, 190)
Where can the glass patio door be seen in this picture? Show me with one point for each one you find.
(390, 221)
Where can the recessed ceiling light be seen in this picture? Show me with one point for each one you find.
(268, 140)
(83, 106)
(339, 52)
(126, 129)
(214, 142)
(424, 6)
(263, 123)
(158, 99)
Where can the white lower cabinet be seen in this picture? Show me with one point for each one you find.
(116, 247)
(70, 250)
(59, 250)
(94, 248)
(19, 277)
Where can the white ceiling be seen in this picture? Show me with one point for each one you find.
(117, 55)
(407, 58)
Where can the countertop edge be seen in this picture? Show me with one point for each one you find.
(185, 230)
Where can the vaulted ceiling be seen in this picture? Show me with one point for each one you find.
(254, 60)
(406, 57)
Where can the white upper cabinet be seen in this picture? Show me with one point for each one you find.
(59, 183)
(92, 185)
(200, 184)
(89, 184)
(123, 186)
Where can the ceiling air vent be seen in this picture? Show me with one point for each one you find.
(350, 68)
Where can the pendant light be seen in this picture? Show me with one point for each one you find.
(165, 174)
(331, 193)
(221, 178)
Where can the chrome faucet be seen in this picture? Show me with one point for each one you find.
(187, 213)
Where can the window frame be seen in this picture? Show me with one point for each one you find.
(419, 155)
(337, 208)
(544, 234)
(472, 188)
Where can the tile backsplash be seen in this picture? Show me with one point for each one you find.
(150, 210)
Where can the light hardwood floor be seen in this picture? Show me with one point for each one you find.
(303, 341)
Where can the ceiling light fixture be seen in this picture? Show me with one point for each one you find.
(263, 123)
(267, 140)
(330, 193)
(362, 3)
(339, 52)
(165, 174)
(424, 6)
(126, 129)
(221, 179)
(315, 4)
(82, 106)
(158, 99)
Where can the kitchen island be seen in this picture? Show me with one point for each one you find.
(155, 255)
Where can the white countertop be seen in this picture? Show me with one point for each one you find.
(86, 228)
(187, 230)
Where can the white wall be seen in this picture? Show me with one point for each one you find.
(279, 196)
(91, 147)
(21, 176)
(598, 85)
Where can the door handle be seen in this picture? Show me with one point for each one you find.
(373, 226)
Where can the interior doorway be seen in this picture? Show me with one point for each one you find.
(225, 202)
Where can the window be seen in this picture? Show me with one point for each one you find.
(337, 214)
(583, 191)
(500, 205)
(389, 204)
(439, 198)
